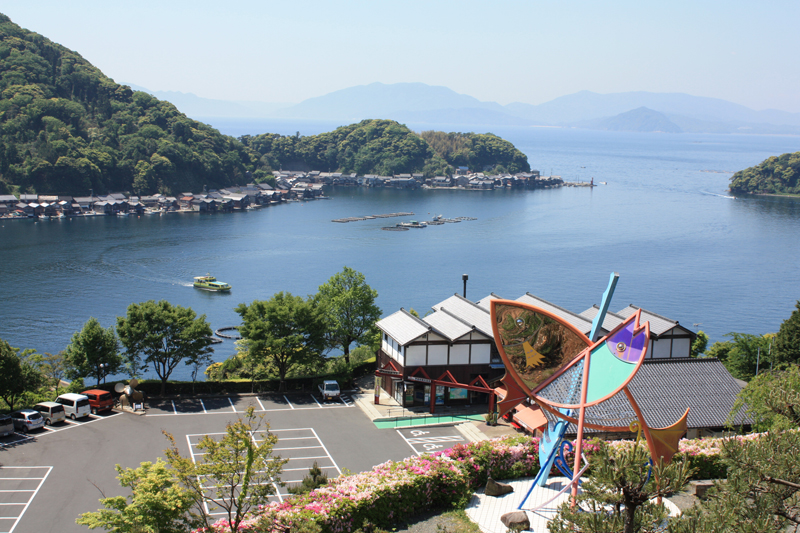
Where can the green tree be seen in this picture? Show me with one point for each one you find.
(236, 473)
(720, 350)
(93, 351)
(699, 344)
(17, 376)
(786, 349)
(616, 495)
(313, 480)
(761, 493)
(349, 305)
(747, 354)
(157, 503)
(163, 334)
(771, 400)
(198, 361)
(53, 369)
(285, 332)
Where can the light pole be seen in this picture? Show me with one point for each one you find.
(103, 370)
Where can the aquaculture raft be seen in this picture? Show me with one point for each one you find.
(371, 217)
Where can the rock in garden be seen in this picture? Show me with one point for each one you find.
(516, 521)
(493, 488)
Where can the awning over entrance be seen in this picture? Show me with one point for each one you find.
(529, 418)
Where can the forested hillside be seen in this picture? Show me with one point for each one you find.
(477, 151)
(67, 128)
(776, 175)
(381, 147)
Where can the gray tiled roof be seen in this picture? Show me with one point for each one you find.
(658, 324)
(610, 321)
(582, 323)
(448, 325)
(485, 302)
(402, 326)
(664, 388)
(467, 311)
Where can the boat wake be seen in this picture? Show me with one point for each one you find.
(719, 195)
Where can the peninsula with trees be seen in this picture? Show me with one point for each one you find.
(67, 129)
(776, 175)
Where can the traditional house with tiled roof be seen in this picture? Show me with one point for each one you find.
(664, 388)
(457, 341)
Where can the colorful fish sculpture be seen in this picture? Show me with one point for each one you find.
(560, 369)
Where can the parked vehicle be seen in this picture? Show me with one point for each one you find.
(75, 405)
(52, 412)
(329, 390)
(6, 425)
(99, 400)
(27, 420)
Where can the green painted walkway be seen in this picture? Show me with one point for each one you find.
(404, 422)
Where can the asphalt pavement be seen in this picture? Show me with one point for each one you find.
(50, 477)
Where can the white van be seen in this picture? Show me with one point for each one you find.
(52, 412)
(75, 405)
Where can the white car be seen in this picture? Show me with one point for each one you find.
(26, 420)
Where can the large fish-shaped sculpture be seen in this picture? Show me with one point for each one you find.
(566, 374)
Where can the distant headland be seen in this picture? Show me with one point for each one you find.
(67, 129)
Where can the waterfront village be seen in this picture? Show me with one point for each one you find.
(289, 186)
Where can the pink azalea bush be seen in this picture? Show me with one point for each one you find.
(398, 490)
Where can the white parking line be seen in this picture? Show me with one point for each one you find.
(203, 406)
(259, 403)
(287, 401)
(34, 492)
(231, 402)
(174, 409)
(315, 399)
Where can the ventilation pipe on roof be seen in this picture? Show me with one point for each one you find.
(464, 278)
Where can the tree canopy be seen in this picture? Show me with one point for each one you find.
(17, 376)
(93, 351)
(477, 151)
(164, 334)
(66, 128)
(775, 175)
(381, 147)
(283, 333)
(349, 306)
(787, 341)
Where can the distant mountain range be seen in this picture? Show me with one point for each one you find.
(419, 103)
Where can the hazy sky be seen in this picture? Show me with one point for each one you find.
(504, 51)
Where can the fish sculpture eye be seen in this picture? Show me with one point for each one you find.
(621, 347)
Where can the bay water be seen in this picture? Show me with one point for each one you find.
(683, 247)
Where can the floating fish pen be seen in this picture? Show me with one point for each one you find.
(235, 336)
(371, 217)
(395, 228)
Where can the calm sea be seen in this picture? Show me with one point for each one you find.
(684, 249)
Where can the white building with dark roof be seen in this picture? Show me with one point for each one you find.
(457, 338)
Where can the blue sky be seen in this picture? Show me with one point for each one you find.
(504, 51)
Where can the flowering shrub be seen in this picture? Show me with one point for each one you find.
(395, 491)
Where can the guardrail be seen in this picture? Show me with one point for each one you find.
(403, 415)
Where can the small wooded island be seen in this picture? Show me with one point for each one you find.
(69, 129)
(775, 175)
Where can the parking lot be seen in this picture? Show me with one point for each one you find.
(262, 403)
(301, 446)
(18, 488)
(431, 439)
(20, 436)
(80, 455)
